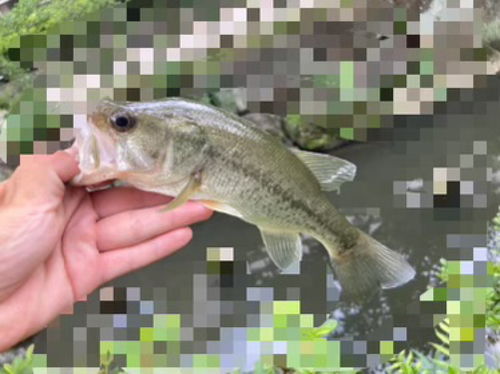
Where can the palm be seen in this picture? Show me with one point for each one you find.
(105, 235)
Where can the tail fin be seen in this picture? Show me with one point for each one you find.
(370, 265)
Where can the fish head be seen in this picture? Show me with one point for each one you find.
(119, 142)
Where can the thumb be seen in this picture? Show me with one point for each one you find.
(61, 163)
(41, 177)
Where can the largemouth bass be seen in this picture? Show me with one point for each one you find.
(192, 151)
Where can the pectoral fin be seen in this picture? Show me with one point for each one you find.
(187, 192)
(284, 248)
(330, 171)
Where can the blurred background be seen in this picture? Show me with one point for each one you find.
(406, 90)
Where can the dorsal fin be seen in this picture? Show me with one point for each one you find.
(330, 171)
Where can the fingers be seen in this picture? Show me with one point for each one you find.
(117, 200)
(119, 262)
(133, 227)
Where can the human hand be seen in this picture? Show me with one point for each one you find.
(59, 243)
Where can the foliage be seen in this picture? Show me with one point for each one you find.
(108, 367)
(15, 80)
(443, 270)
(20, 365)
(416, 363)
(491, 36)
(493, 295)
(30, 17)
(261, 368)
(310, 136)
(493, 300)
(411, 362)
(38, 16)
(309, 334)
(328, 327)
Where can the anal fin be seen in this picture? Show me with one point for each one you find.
(284, 248)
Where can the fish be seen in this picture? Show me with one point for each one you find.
(193, 151)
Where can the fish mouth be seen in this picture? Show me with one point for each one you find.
(96, 155)
(101, 186)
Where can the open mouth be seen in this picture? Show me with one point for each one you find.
(96, 157)
(101, 185)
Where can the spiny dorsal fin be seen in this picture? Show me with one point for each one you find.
(330, 171)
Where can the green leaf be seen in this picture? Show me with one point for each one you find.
(443, 337)
(18, 361)
(420, 356)
(29, 352)
(418, 367)
(424, 360)
(394, 367)
(406, 369)
(327, 328)
(8, 368)
(445, 325)
(260, 368)
(441, 349)
(440, 363)
(410, 357)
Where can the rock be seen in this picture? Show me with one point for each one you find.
(270, 123)
(5, 171)
(418, 6)
(230, 99)
(7, 5)
(312, 137)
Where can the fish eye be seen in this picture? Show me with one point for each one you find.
(123, 122)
